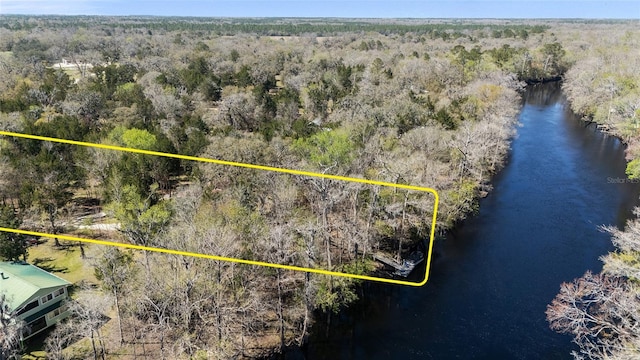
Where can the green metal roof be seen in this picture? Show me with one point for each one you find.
(22, 282)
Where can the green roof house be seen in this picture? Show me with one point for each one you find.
(34, 295)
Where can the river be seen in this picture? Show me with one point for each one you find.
(493, 278)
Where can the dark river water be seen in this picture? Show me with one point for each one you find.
(493, 278)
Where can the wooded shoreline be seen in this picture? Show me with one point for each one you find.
(602, 88)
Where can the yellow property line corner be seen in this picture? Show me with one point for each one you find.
(248, 166)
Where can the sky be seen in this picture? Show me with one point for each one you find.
(612, 9)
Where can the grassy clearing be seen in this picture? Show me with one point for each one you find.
(74, 74)
(65, 261)
(35, 355)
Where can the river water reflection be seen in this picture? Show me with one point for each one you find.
(493, 279)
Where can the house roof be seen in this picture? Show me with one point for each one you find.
(22, 282)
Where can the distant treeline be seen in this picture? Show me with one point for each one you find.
(275, 26)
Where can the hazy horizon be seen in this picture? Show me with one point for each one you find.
(377, 9)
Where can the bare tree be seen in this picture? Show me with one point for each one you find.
(59, 339)
(239, 111)
(602, 313)
(12, 330)
(116, 269)
(87, 317)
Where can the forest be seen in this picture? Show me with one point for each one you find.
(430, 103)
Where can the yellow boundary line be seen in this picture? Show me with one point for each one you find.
(242, 165)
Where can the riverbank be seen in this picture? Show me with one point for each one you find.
(608, 97)
(442, 235)
(496, 275)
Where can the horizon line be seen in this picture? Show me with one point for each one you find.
(325, 17)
